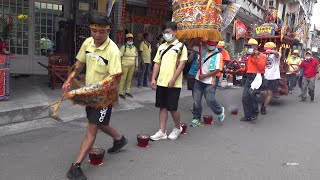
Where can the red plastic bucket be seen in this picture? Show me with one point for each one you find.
(208, 119)
(235, 111)
(143, 140)
(96, 156)
(184, 128)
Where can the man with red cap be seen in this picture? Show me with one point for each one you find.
(256, 65)
(205, 80)
(310, 66)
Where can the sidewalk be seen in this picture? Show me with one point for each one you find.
(29, 95)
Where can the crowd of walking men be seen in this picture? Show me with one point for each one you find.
(102, 59)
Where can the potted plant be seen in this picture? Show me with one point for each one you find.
(6, 25)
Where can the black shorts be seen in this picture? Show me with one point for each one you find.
(272, 85)
(99, 116)
(167, 98)
(190, 82)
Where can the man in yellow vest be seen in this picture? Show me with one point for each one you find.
(293, 62)
(145, 60)
(101, 56)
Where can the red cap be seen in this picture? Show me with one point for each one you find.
(212, 43)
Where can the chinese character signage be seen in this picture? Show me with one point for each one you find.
(264, 31)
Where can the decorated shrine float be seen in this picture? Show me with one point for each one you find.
(197, 20)
(268, 32)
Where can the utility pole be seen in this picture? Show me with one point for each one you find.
(308, 19)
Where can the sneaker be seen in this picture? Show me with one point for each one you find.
(312, 99)
(263, 110)
(122, 96)
(246, 119)
(129, 95)
(159, 135)
(195, 123)
(221, 116)
(117, 145)
(175, 133)
(75, 172)
(254, 117)
(290, 92)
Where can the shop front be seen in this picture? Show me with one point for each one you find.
(34, 36)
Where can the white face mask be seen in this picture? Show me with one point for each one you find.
(130, 43)
(168, 37)
(308, 58)
(250, 51)
(211, 48)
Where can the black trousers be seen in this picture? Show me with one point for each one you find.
(249, 98)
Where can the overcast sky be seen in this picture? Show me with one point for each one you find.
(316, 16)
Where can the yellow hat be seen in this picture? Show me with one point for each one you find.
(269, 45)
(252, 42)
(129, 35)
(296, 51)
(221, 44)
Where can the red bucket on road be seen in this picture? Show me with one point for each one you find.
(184, 128)
(235, 111)
(96, 156)
(208, 119)
(143, 140)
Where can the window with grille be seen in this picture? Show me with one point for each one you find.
(18, 43)
(271, 3)
(45, 35)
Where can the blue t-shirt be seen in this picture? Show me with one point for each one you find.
(194, 65)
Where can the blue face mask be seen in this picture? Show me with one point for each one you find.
(168, 37)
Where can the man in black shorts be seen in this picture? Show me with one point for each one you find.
(272, 75)
(169, 63)
(101, 57)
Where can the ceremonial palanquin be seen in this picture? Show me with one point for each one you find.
(197, 18)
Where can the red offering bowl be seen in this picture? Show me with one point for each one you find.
(208, 119)
(235, 111)
(184, 128)
(143, 140)
(96, 156)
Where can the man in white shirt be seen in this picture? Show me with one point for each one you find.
(272, 75)
(211, 63)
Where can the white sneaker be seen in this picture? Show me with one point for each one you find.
(159, 135)
(175, 133)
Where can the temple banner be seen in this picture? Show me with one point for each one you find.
(264, 31)
(229, 14)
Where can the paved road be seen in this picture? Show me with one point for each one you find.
(232, 151)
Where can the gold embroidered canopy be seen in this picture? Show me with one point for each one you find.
(197, 18)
